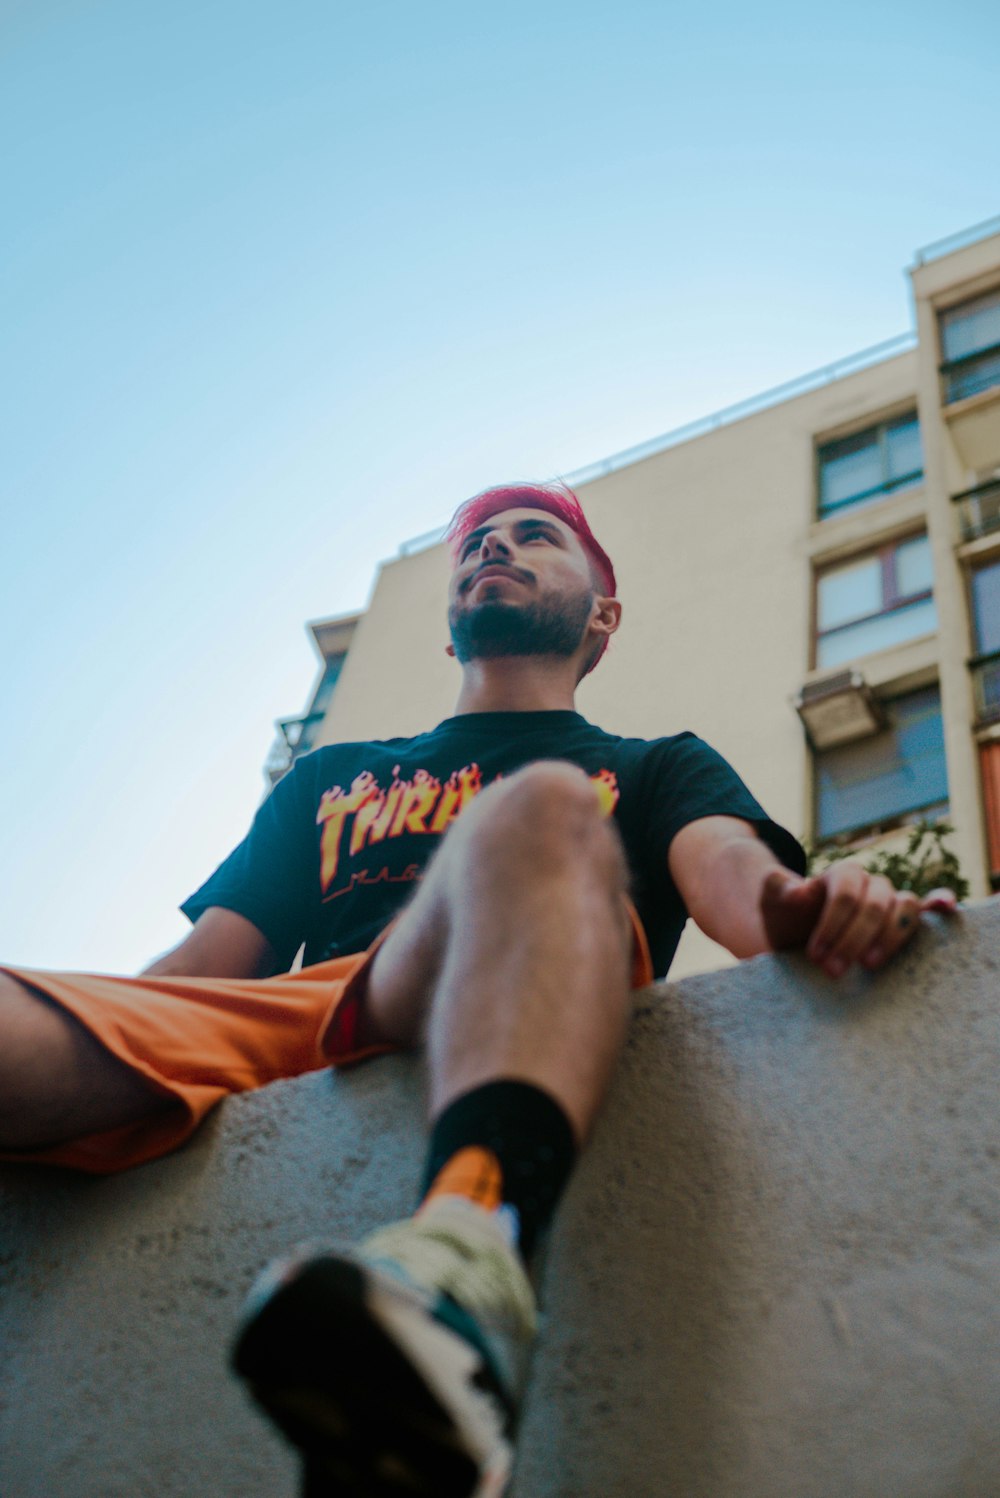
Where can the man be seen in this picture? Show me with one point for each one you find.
(565, 861)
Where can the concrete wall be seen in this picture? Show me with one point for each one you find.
(775, 1274)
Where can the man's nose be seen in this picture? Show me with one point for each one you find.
(494, 544)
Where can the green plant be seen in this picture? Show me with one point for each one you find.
(924, 864)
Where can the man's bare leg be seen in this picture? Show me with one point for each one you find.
(512, 962)
(57, 1082)
(514, 955)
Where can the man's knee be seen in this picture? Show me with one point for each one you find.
(545, 811)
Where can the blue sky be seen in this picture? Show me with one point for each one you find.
(283, 284)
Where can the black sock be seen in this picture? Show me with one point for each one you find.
(530, 1137)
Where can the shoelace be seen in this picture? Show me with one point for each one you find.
(482, 1275)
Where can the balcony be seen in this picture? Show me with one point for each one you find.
(979, 510)
(974, 423)
(295, 736)
(972, 374)
(986, 687)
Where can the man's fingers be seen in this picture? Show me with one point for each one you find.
(905, 922)
(860, 914)
(900, 927)
(846, 884)
(870, 925)
(943, 901)
(845, 915)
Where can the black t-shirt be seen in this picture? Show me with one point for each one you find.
(337, 846)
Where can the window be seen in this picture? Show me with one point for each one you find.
(970, 342)
(986, 607)
(985, 582)
(888, 777)
(979, 509)
(870, 464)
(874, 602)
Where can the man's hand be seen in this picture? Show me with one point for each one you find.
(844, 915)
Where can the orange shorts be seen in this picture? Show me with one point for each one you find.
(198, 1040)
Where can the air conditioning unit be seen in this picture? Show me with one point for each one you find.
(838, 709)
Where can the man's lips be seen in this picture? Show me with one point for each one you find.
(494, 569)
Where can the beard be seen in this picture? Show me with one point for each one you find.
(496, 628)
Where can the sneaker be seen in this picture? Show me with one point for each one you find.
(396, 1367)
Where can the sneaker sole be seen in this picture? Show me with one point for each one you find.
(381, 1400)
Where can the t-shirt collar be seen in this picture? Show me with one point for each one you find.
(511, 722)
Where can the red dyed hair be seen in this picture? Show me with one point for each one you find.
(557, 500)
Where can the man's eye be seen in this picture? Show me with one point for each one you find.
(538, 536)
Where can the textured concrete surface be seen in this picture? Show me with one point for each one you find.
(775, 1274)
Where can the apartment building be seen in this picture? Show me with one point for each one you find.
(810, 580)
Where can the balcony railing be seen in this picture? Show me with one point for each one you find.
(979, 509)
(986, 686)
(972, 374)
(295, 736)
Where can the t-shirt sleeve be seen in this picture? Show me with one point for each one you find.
(267, 877)
(694, 781)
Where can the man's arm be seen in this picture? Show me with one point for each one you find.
(744, 898)
(221, 944)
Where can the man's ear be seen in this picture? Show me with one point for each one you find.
(609, 615)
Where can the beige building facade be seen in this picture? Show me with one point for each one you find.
(810, 581)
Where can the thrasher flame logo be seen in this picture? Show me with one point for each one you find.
(422, 804)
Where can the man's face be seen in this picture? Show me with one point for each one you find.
(522, 585)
